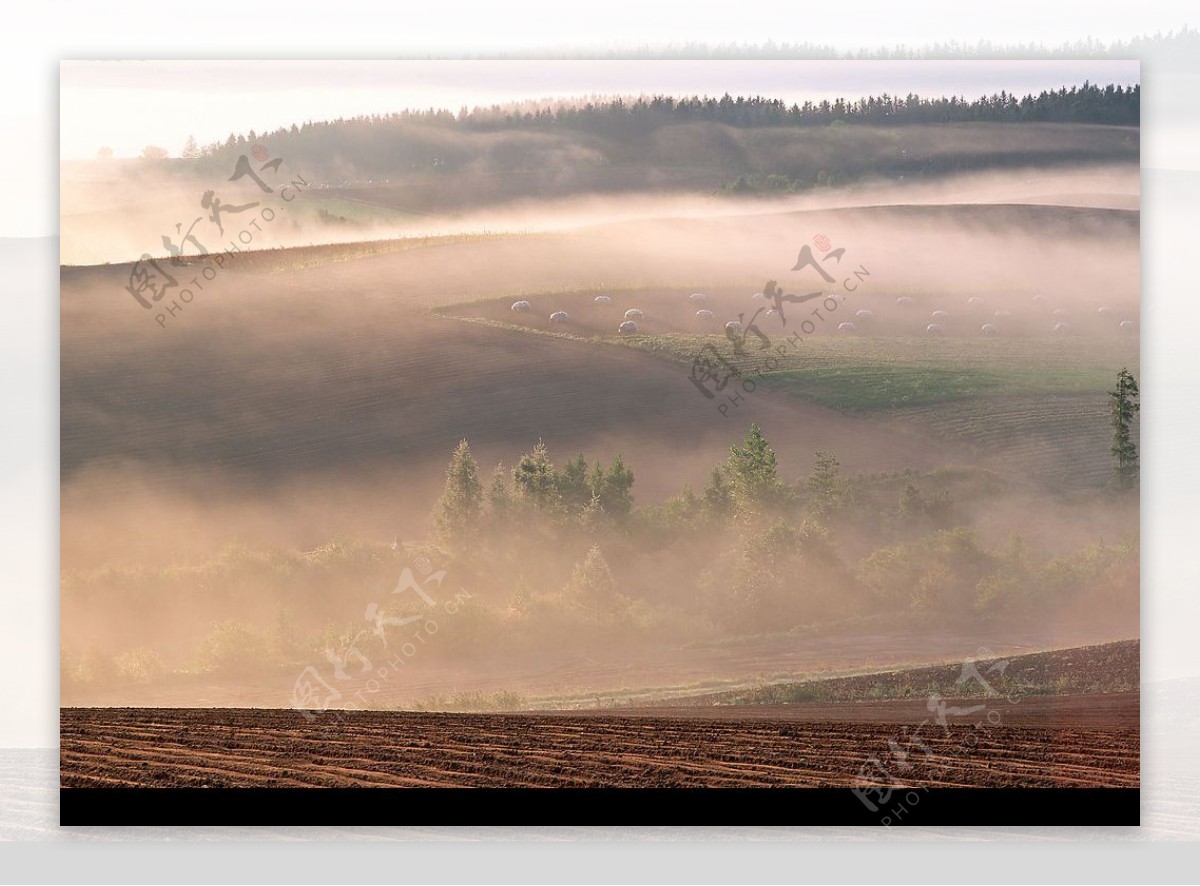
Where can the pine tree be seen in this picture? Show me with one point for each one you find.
(461, 504)
(1125, 406)
(827, 489)
(717, 496)
(499, 494)
(574, 489)
(535, 479)
(591, 518)
(754, 475)
(592, 585)
(614, 488)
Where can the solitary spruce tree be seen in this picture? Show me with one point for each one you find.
(1124, 404)
(462, 501)
(827, 489)
(754, 475)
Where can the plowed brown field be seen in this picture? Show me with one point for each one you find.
(280, 748)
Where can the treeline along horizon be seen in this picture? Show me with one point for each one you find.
(1113, 104)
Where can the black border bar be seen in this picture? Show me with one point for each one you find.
(756, 807)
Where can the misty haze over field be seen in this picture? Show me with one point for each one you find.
(254, 479)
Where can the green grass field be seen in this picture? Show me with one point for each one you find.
(1037, 403)
(859, 374)
(870, 374)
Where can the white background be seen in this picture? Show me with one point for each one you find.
(37, 36)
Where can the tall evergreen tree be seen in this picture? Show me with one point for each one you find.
(499, 493)
(461, 503)
(827, 489)
(574, 489)
(754, 475)
(535, 479)
(1123, 401)
(717, 496)
(613, 487)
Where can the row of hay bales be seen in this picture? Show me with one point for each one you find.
(633, 316)
(939, 318)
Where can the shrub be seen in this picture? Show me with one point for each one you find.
(95, 668)
(140, 665)
(940, 571)
(232, 646)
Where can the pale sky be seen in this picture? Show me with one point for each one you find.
(126, 105)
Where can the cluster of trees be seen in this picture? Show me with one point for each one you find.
(558, 556)
(1089, 103)
(750, 551)
(745, 486)
(535, 488)
(373, 136)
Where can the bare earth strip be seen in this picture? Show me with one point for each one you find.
(277, 748)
